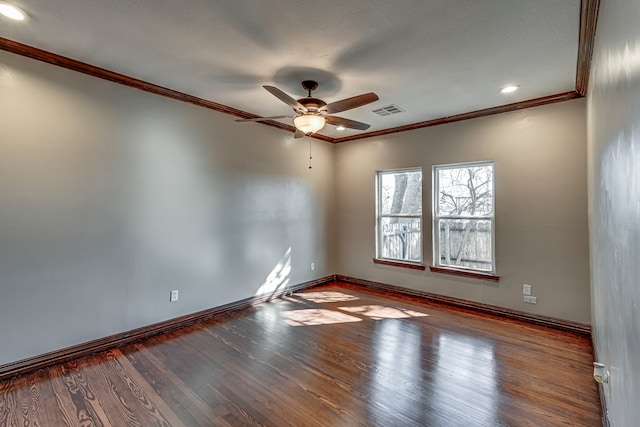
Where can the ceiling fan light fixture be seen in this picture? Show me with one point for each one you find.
(309, 123)
(310, 112)
(11, 11)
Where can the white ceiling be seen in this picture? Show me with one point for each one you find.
(432, 58)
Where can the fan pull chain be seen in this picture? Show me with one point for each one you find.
(310, 153)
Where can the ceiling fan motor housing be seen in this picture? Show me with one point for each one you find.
(312, 104)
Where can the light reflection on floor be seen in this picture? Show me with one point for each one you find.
(269, 317)
(466, 370)
(398, 358)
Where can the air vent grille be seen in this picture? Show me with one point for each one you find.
(388, 110)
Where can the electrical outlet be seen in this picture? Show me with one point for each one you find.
(529, 299)
(526, 289)
(174, 296)
(313, 266)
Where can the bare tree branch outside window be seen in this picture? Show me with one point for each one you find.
(399, 216)
(464, 216)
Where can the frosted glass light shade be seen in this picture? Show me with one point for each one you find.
(309, 123)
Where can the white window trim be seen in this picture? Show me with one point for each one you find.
(379, 216)
(436, 218)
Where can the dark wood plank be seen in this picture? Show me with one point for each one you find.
(187, 405)
(76, 396)
(337, 354)
(132, 390)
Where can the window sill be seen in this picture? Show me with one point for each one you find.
(401, 264)
(465, 273)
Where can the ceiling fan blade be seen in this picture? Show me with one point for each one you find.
(261, 119)
(298, 134)
(286, 98)
(341, 121)
(349, 103)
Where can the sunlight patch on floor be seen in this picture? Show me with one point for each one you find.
(325, 297)
(378, 312)
(312, 317)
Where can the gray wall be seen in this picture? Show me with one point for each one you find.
(110, 197)
(541, 206)
(614, 203)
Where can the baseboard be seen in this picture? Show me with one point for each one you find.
(603, 406)
(46, 360)
(538, 319)
(601, 392)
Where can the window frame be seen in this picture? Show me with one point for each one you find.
(436, 217)
(380, 216)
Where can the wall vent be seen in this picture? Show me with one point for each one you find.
(388, 110)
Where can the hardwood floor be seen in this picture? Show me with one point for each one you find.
(335, 355)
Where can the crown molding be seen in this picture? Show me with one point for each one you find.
(101, 73)
(566, 96)
(588, 20)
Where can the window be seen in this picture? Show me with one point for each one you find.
(463, 216)
(399, 215)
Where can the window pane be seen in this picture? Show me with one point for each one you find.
(465, 243)
(466, 191)
(400, 239)
(401, 193)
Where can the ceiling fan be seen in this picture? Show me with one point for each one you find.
(311, 114)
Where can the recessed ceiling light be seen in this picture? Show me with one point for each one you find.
(11, 11)
(509, 89)
(340, 128)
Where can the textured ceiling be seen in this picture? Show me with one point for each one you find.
(431, 58)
